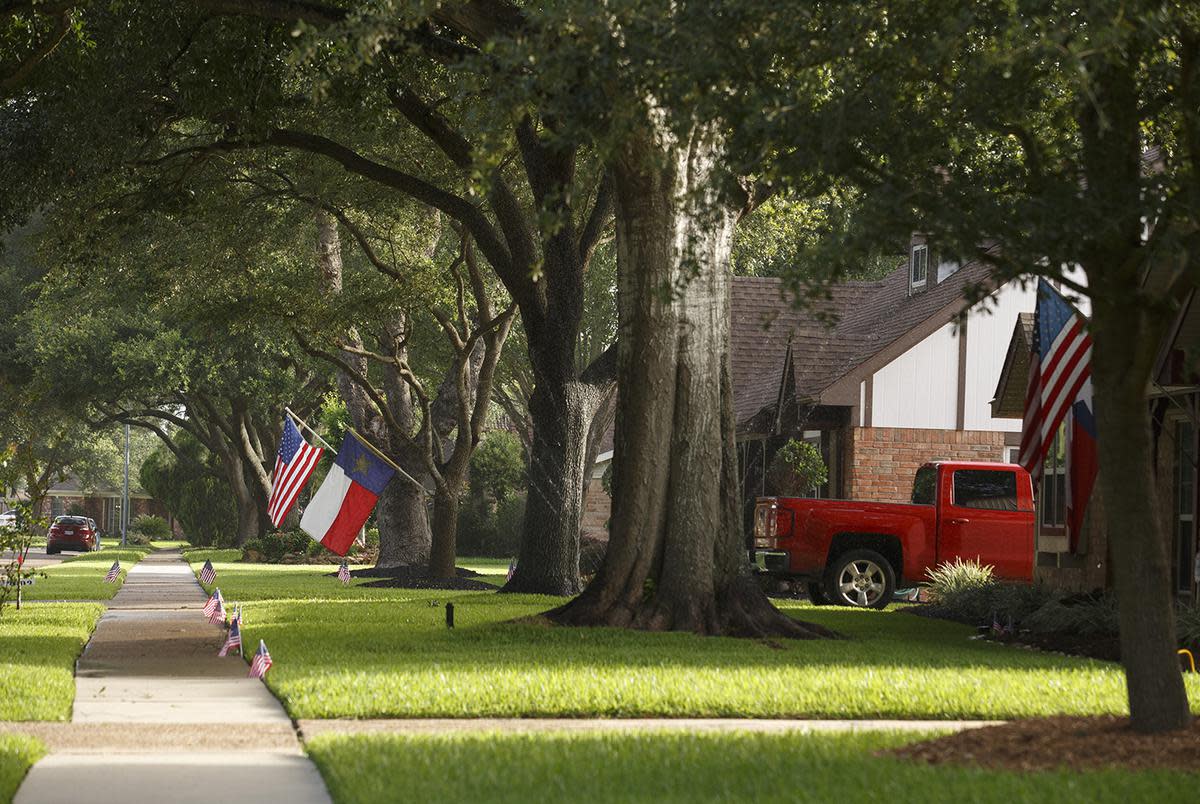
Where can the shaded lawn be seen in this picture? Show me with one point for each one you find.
(17, 755)
(81, 577)
(668, 766)
(38, 648)
(358, 652)
(169, 544)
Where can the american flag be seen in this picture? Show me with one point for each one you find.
(261, 662)
(114, 572)
(512, 567)
(344, 573)
(207, 573)
(218, 614)
(211, 604)
(233, 641)
(1059, 366)
(293, 466)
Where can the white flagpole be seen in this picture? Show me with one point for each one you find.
(303, 424)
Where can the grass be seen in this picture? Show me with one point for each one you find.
(38, 648)
(17, 755)
(669, 767)
(169, 544)
(81, 577)
(359, 652)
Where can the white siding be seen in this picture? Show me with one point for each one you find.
(920, 387)
(989, 330)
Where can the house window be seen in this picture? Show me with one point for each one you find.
(920, 265)
(989, 489)
(1053, 499)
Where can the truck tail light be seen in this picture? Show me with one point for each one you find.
(766, 525)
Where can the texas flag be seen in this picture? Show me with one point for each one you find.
(341, 506)
(1082, 462)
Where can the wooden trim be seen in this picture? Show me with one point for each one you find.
(869, 402)
(960, 415)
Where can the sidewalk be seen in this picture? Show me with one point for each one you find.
(158, 715)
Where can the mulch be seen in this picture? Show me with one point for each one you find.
(418, 578)
(1072, 743)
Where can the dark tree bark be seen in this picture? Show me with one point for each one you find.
(676, 557)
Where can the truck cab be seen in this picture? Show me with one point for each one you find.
(857, 553)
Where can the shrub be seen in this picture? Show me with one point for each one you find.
(274, 546)
(152, 527)
(476, 530)
(510, 519)
(1089, 614)
(797, 469)
(497, 466)
(963, 590)
(591, 554)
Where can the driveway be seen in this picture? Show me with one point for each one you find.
(37, 558)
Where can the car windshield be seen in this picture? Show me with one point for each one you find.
(70, 520)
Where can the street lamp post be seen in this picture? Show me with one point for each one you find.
(125, 492)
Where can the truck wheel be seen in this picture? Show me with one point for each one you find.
(816, 594)
(860, 578)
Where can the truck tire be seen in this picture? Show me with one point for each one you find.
(860, 578)
(816, 594)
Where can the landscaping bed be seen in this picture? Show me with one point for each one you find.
(1075, 743)
(418, 578)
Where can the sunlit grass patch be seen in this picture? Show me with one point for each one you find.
(361, 652)
(81, 577)
(38, 647)
(17, 754)
(670, 766)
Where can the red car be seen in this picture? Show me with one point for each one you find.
(857, 553)
(72, 533)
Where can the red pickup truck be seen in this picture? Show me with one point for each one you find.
(856, 553)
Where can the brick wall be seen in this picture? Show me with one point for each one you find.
(881, 461)
(596, 510)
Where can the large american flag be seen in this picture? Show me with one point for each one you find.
(114, 572)
(207, 573)
(261, 662)
(1059, 366)
(293, 466)
(233, 641)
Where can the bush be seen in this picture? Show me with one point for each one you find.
(591, 554)
(510, 519)
(497, 466)
(274, 546)
(1089, 615)
(796, 469)
(476, 531)
(152, 527)
(965, 591)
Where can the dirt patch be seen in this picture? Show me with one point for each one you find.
(1074, 743)
(418, 578)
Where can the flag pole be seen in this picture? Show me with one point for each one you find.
(378, 454)
(303, 424)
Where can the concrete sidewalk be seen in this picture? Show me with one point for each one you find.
(151, 671)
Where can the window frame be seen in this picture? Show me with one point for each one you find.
(923, 250)
(1010, 476)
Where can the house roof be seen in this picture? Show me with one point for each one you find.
(1009, 399)
(872, 320)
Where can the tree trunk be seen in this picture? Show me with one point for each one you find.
(1125, 339)
(561, 413)
(676, 557)
(442, 556)
(400, 514)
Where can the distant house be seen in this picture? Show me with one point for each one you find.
(101, 504)
(899, 379)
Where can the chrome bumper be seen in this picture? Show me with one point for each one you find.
(772, 560)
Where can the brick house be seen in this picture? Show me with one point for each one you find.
(1174, 400)
(902, 376)
(101, 504)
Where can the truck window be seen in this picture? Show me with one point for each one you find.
(992, 489)
(925, 486)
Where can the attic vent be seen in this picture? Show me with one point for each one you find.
(919, 266)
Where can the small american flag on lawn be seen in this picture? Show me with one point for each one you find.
(261, 662)
(218, 614)
(344, 573)
(233, 640)
(512, 567)
(207, 573)
(211, 604)
(114, 572)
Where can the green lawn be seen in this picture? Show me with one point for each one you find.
(668, 767)
(169, 544)
(17, 755)
(357, 652)
(38, 647)
(81, 577)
